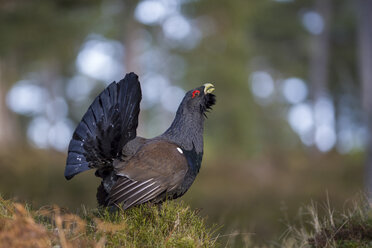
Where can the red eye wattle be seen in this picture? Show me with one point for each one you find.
(195, 93)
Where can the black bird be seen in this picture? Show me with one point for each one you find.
(135, 170)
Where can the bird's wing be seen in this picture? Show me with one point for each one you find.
(110, 122)
(158, 167)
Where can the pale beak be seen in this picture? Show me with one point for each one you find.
(208, 88)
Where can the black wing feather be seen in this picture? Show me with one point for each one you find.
(110, 122)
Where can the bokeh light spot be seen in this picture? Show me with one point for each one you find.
(313, 22)
(300, 118)
(26, 98)
(101, 59)
(324, 111)
(150, 12)
(153, 87)
(262, 84)
(44, 134)
(176, 28)
(59, 135)
(37, 132)
(325, 138)
(294, 90)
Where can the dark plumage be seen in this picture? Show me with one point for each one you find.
(135, 170)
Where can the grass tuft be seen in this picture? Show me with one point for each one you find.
(172, 225)
(348, 229)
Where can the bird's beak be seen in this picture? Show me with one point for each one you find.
(208, 88)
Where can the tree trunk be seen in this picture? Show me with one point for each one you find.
(8, 135)
(365, 70)
(319, 61)
(130, 39)
(319, 58)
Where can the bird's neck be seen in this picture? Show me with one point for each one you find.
(186, 130)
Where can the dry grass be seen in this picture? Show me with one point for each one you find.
(18, 228)
(347, 229)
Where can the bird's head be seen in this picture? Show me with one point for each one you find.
(186, 129)
(199, 99)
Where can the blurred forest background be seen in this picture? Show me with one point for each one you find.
(293, 85)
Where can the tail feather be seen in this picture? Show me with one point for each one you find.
(110, 122)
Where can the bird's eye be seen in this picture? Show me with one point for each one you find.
(195, 93)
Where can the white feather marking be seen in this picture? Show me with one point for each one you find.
(142, 189)
(130, 190)
(121, 189)
(127, 186)
(145, 197)
(179, 150)
(153, 194)
(125, 182)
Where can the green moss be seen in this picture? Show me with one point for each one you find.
(171, 225)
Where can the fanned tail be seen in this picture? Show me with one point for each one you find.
(110, 122)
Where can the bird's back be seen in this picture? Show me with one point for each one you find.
(157, 170)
